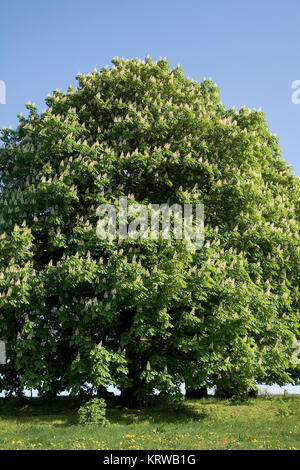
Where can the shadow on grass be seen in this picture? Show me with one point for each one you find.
(58, 412)
(62, 412)
(163, 413)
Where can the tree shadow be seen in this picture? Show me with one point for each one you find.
(156, 414)
(63, 413)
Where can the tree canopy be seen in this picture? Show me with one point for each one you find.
(145, 314)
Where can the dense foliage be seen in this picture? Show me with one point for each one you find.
(144, 314)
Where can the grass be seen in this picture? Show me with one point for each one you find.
(265, 422)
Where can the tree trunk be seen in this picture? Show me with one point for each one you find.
(224, 394)
(129, 397)
(101, 391)
(196, 392)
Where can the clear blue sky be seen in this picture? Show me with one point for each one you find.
(249, 48)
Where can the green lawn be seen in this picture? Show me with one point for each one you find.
(266, 422)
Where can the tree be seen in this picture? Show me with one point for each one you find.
(144, 313)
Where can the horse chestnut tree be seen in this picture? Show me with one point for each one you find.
(146, 314)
